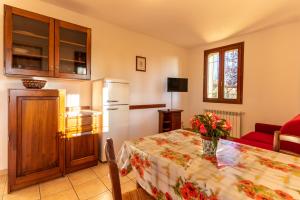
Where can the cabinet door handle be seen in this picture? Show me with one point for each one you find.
(112, 108)
(60, 134)
(112, 101)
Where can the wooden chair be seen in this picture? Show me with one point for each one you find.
(289, 138)
(138, 194)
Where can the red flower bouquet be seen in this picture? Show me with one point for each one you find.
(211, 127)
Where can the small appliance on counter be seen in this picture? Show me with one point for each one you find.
(111, 97)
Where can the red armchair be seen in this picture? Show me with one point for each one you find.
(263, 136)
(292, 127)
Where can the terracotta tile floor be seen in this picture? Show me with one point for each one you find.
(92, 184)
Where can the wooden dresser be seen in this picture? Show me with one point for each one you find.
(45, 142)
(169, 119)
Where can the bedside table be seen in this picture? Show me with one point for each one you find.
(169, 119)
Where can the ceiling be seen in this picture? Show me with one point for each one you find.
(188, 23)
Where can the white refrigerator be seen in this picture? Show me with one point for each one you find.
(111, 96)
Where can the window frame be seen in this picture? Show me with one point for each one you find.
(221, 51)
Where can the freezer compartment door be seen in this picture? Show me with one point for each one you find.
(115, 93)
(115, 126)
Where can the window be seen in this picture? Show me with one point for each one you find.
(223, 74)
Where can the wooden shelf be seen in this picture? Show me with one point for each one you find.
(146, 106)
(26, 33)
(70, 60)
(31, 68)
(29, 55)
(166, 122)
(72, 43)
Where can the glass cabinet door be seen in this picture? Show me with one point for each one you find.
(72, 51)
(28, 43)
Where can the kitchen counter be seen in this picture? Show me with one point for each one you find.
(82, 122)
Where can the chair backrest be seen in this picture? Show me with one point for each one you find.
(113, 169)
(292, 127)
(266, 128)
(278, 137)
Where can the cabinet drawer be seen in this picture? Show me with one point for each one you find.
(81, 121)
(81, 129)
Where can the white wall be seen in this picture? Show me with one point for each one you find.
(271, 72)
(271, 76)
(113, 55)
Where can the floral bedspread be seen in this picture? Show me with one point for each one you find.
(171, 165)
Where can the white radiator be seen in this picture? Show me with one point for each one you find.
(234, 117)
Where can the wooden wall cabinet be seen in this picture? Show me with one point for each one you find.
(37, 45)
(28, 40)
(72, 51)
(169, 120)
(36, 144)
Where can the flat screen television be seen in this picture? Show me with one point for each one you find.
(177, 84)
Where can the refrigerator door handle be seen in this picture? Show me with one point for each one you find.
(112, 108)
(112, 101)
